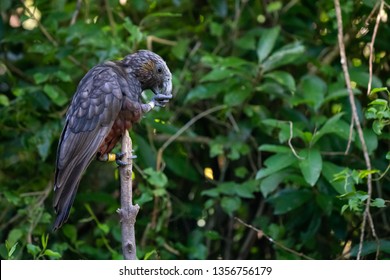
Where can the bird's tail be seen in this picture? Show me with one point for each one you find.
(65, 189)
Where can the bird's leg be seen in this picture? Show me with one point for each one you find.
(115, 157)
(159, 100)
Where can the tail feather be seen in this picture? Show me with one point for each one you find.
(65, 192)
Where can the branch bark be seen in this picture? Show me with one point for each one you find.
(355, 119)
(128, 212)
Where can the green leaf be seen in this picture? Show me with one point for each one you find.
(33, 249)
(274, 148)
(144, 198)
(361, 77)
(217, 74)
(156, 178)
(241, 172)
(182, 167)
(55, 94)
(378, 202)
(51, 253)
(288, 200)
(286, 55)
(311, 165)
(275, 163)
(332, 125)
(230, 204)
(267, 42)
(181, 48)
(44, 240)
(213, 235)
(283, 78)
(381, 103)
(14, 236)
(246, 189)
(41, 77)
(339, 93)
(149, 254)
(237, 96)
(371, 139)
(325, 202)
(228, 188)
(216, 148)
(70, 232)
(274, 6)
(200, 92)
(214, 192)
(104, 228)
(65, 77)
(370, 247)
(4, 101)
(329, 170)
(271, 183)
(12, 249)
(376, 90)
(312, 89)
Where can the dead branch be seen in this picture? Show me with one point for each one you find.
(128, 212)
(343, 61)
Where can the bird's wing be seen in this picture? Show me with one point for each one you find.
(93, 110)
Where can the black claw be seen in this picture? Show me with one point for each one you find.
(121, 163)
(119, 157)
(162, 99)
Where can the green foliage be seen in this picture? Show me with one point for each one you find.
(273, 154)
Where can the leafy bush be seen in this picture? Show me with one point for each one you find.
(264, 114)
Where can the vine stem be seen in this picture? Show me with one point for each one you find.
(343, 61)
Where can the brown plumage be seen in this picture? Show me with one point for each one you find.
(106, 103)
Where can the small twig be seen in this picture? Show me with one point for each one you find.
(187, 64)
(128, 212)
(185, 139)
(383, 174)
(36, 207)
(51, 38)
(76, 12)
(181, 130)
(290, 144)
(343, 61)
(261, 233)
(251, 236)
(151, 38)
(378, 19)
(12, 68)
(349, 136)
(110, 17)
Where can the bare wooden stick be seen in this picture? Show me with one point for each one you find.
(261, 234)
(355, 117)
(128, 212)
(371, 58)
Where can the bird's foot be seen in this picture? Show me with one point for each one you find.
(116, 157)
(161, 99)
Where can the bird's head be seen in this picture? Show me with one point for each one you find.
(151, 71)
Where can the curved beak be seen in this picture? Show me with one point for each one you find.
(164, 89)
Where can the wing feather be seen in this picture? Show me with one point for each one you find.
(93, 110)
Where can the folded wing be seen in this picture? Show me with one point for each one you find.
(90, 117)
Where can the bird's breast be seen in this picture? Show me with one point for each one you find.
(129, 114)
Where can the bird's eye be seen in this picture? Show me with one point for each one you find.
(159, 70)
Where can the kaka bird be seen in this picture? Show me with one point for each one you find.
(106, 103)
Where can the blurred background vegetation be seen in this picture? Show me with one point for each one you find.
(265, 116)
